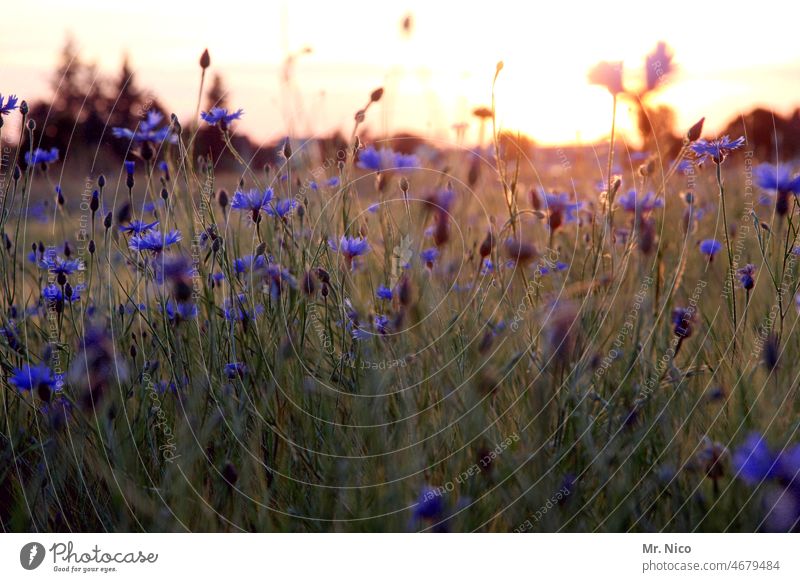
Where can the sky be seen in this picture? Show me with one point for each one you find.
(730, 57)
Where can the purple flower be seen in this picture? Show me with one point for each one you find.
(746, 275)
(130, 167)
(710, 247)
(154, 241)
(385, 159)
(249, 263)
(543, 269)
(39, 378)
(138, 226)
(350, 247)
(220, 116)
(58, 265)
(559, 206)
(683, 319)
(754, 461)
(384, 293)
(640, 203)
(429, 256)
(658, 65)
(9, 105)
(776, 179)
(147, 131)
(253, 201)
(235, 370)
(430, 504)
(180, 310)
(53, 294)
(236, 309)
(329, 183)
(282, 207)
(40, 156)
(716, 149)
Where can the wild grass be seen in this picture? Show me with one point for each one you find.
(528, 375)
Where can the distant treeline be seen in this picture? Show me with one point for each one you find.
(85, 106)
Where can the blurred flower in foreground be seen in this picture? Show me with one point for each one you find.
(757, 464)
(608, 75)
(778, 180)
(658, 65)
(96, 368)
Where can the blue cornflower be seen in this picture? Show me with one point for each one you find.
(130, 167)
(248, 263)
(430, 255)
(559, 206)
(236, 309)
(40, 156)
(487, 267)
(138, 226)
(746, 276)
(430, 504)
(350, 247)
(543, 269)
(53, 294)
(710, 247)
(154, 241)
(178, 310)
(281, 207)
(253, 201)
(9, 105)
(39, 377)
(381, 323)
(754, 461)
(59, 265)
(147, 130)
(330, 183)
(235, 369)
(776, 179)
(384, 293)
(385, 159)
(640, 204)
(716, 149)
(220, 116)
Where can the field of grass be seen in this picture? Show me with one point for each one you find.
(361, 340)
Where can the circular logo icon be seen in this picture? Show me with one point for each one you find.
(31, 555)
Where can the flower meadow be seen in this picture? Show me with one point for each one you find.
(369, 336)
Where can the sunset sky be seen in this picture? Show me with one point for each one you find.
(730, 58)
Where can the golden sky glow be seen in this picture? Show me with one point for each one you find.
(730, 57)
